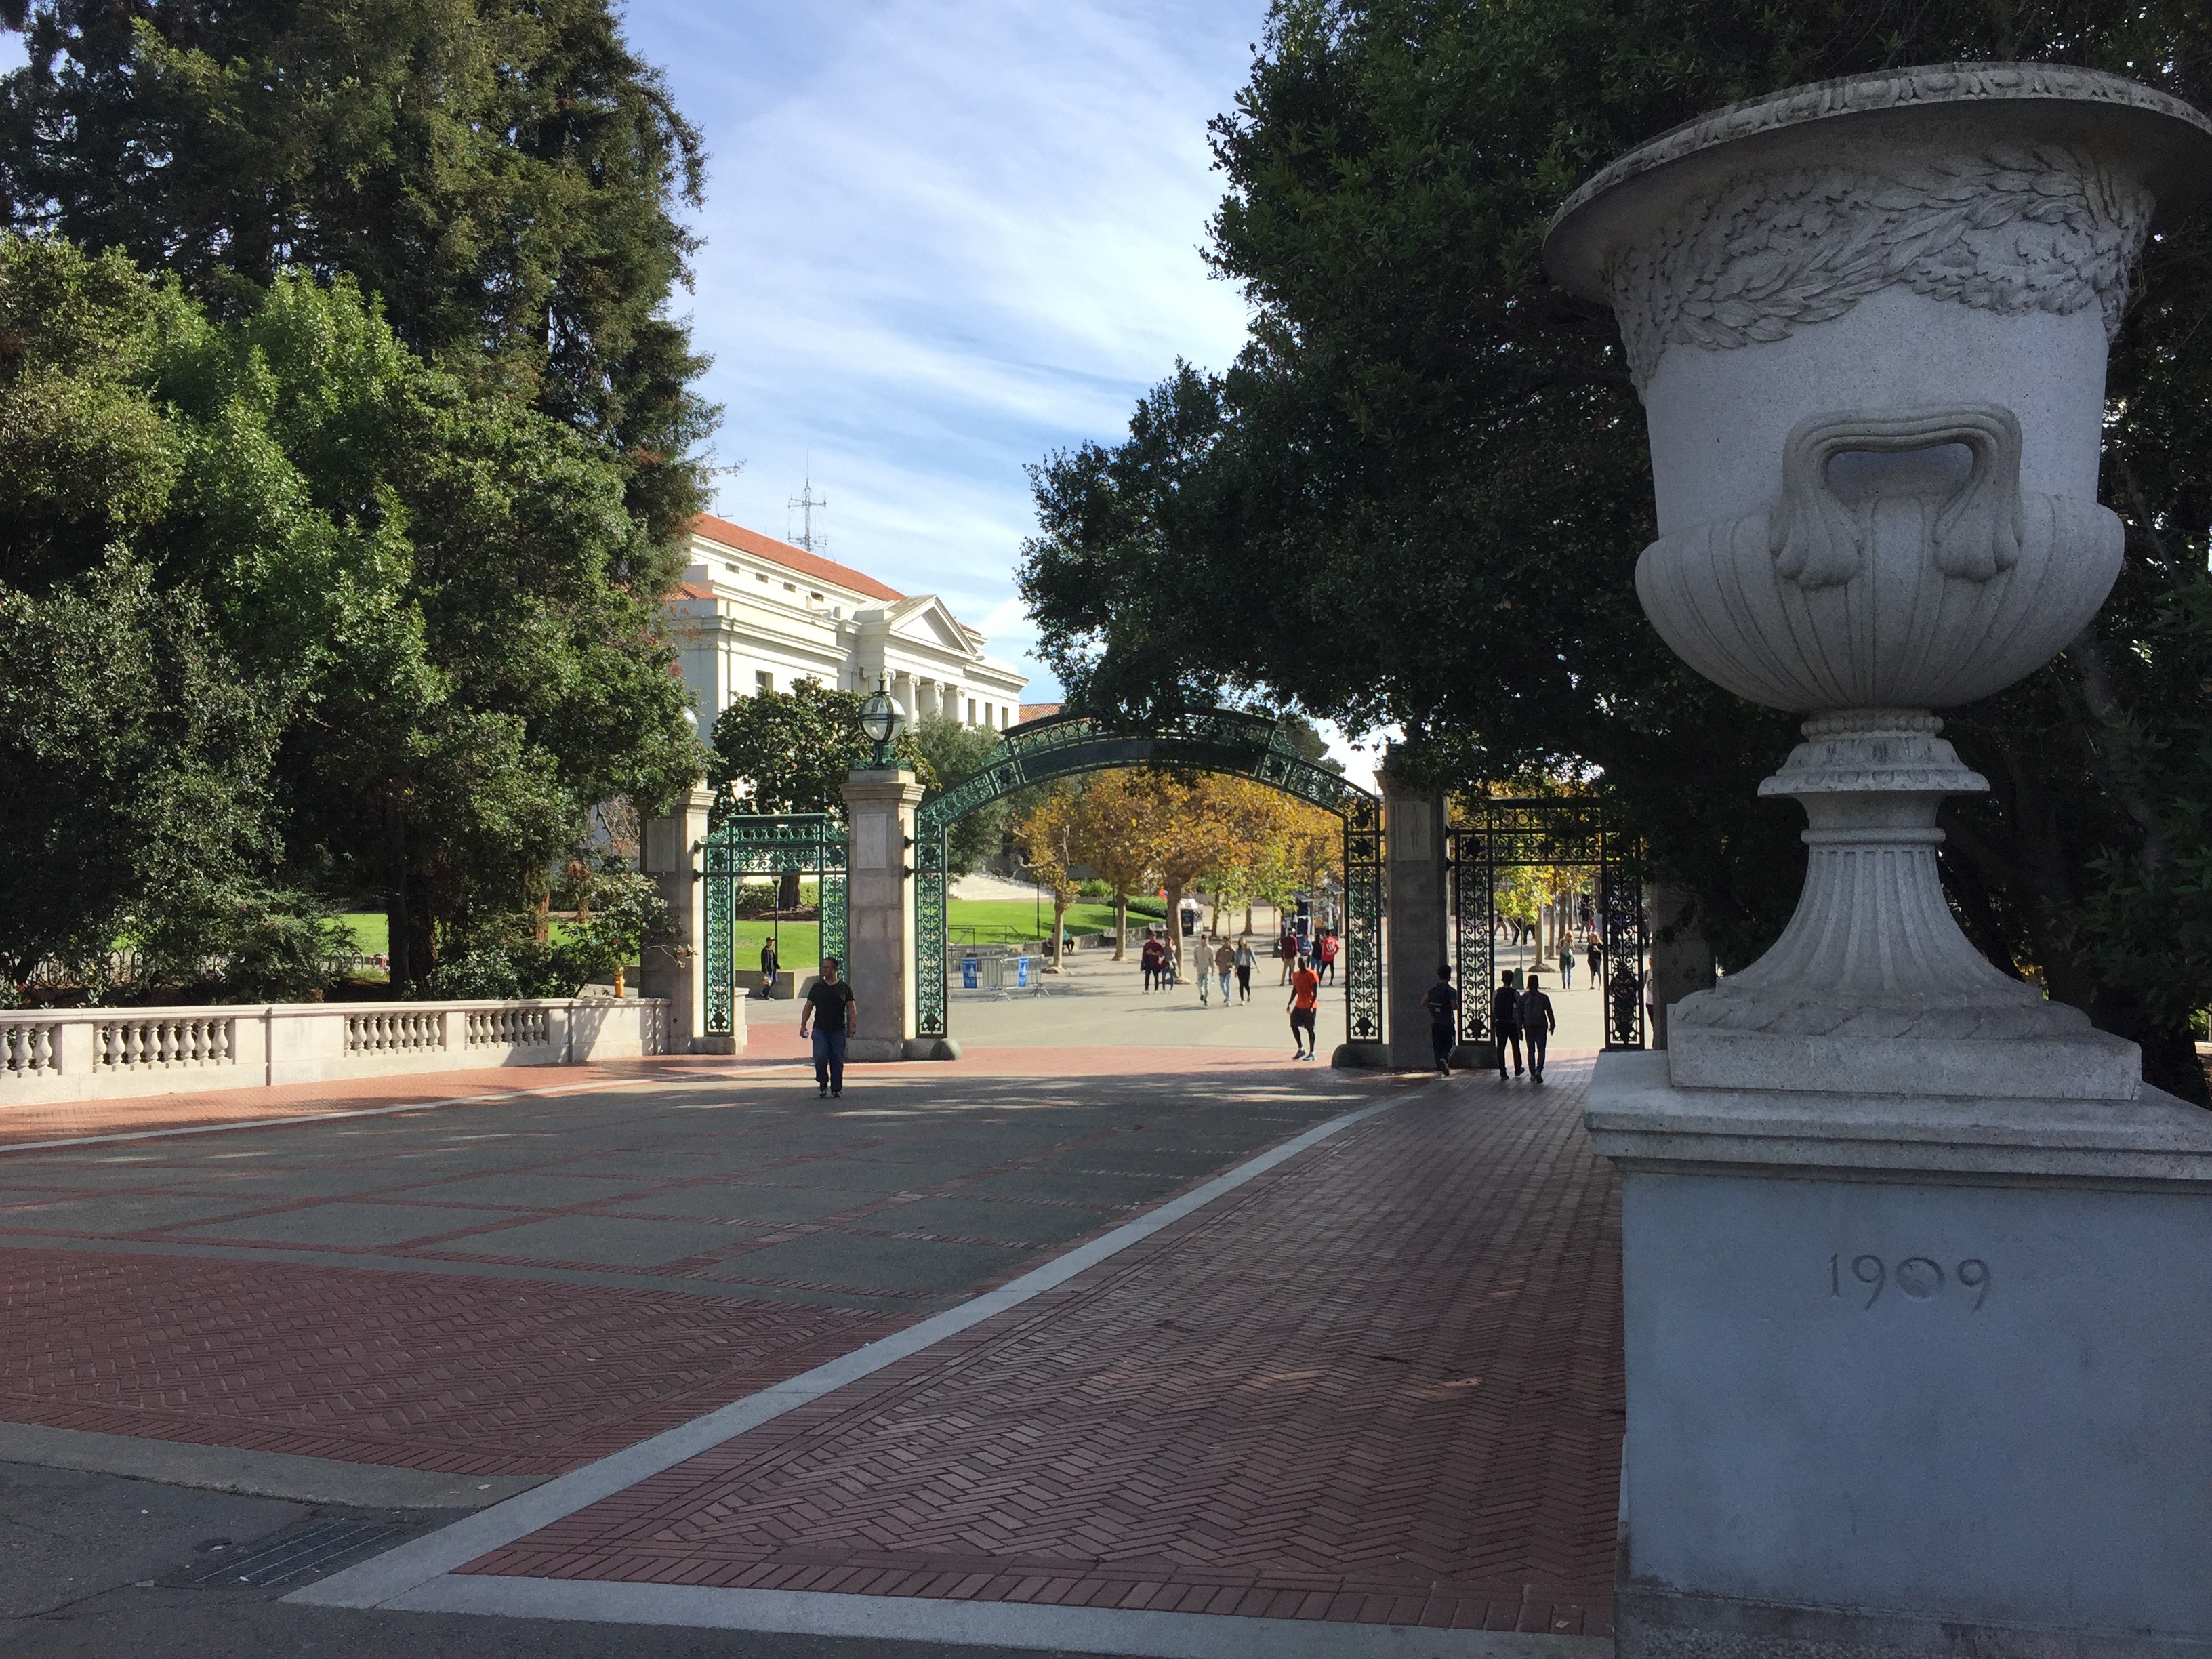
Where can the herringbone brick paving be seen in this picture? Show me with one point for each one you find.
(468, 1376)
(1381, 1383)
(228, 1291)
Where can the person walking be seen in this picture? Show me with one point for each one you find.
(1505, 1023)
(1442, 1000)
(1286, 947)
(769, 965)
(1245, 962)
(1200, 954)
(1596, 961)
(1304, 1007)
(1329, 955)
(1566, 965)
(831, 1010)
(1225, 964)
(1148, 960)
(1538, 1022)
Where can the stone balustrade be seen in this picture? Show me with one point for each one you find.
(106, 1054)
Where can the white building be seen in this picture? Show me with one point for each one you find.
(757, 614)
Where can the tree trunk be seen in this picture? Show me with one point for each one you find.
(1121, 926)
(1175, 924)
(1059, 928)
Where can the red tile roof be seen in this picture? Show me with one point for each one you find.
(797, 560)
(1037, 711)
(694, 591)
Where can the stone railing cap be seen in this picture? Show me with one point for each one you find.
(2170, 140)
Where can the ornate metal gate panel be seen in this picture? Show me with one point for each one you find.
(1212, 740)
(1557, 832)
(800, 843)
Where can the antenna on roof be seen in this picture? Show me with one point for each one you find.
(806, 500)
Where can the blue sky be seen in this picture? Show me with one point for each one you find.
(943, 239)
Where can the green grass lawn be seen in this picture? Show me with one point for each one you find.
(983, 921)
(372, 932)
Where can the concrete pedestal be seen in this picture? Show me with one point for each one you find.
(1911, 1376)
(1416, 937)
(880, 810)
(675, 970)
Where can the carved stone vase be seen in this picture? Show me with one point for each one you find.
(1915, 1267)
(1868, 319)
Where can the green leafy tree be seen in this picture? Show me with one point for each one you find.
(952, 751)
(411, 667)
(790, 751)
(1441, 462)
(502, 173)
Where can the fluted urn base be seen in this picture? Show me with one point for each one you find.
(1872, 988)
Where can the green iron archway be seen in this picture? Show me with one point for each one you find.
(1212, 740)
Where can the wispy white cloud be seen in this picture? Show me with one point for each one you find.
(942, 241)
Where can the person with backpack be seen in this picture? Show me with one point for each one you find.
(1286, 947)
(1442, 1000)
(1329, 955)
(1505, 1023)
(1538, 1022)
(769, 965)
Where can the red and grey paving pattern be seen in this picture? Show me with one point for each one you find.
(1380, 1383)
(520, 1287)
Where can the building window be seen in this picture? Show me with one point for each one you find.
(814, 599)
(761, 576)
(791, 587)
(763, 681)
(971, 711)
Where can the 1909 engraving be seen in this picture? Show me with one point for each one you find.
(1917, 1278)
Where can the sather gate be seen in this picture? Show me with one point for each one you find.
(1224, 740)
(1552, 832)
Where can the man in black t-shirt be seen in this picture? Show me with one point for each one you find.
(832, 1012)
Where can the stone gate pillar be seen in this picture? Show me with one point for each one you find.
(879, 808)
(1416, 933)
(676, 971)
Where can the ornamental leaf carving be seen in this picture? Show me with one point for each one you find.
(2012, 230)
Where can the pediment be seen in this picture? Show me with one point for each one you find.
(927, 620)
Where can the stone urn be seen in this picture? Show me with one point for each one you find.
(1868, 319)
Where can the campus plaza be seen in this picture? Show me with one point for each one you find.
(1119, 1333)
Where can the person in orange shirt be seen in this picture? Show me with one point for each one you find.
(1305, 1005)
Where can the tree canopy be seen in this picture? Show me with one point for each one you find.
(501, 173)
(291, 611)
(1417, 496)
(338, 361)
(789, 751)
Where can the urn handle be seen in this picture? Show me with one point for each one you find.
(1819, 542)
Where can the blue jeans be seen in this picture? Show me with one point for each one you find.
(829, 1058)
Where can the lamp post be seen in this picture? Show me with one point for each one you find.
(881, 721)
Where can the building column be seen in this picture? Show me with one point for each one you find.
(880, 895)
(1416, 929)
(677, 969)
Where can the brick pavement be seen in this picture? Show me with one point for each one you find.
(521, 1286)
(467, 1377)
(1379, 1384)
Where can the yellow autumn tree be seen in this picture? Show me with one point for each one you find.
(1115, 819)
